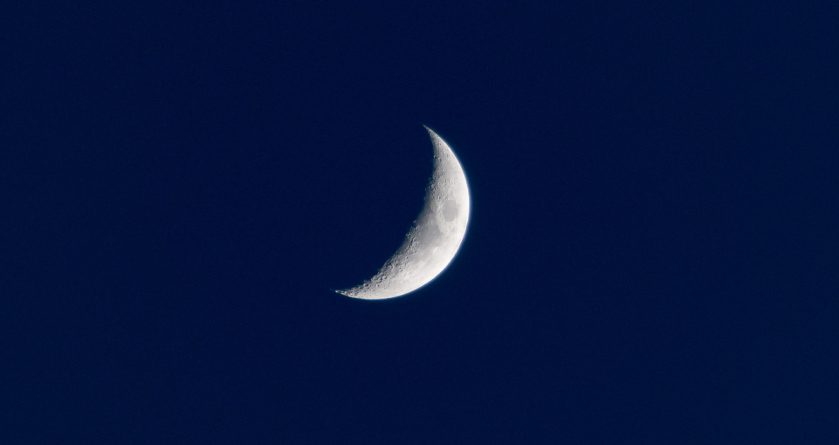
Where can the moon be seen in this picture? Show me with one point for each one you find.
(433, 239)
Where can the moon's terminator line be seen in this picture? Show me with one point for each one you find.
(435, 236)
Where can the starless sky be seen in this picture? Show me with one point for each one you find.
(651, 256)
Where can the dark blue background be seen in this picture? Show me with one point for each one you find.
(652, 254)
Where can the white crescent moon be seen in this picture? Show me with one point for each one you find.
(435, 237)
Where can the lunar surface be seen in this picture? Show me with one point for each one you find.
(435, 237)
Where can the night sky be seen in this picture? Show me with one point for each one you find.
(652, 255)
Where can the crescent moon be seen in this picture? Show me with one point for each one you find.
(435, 236)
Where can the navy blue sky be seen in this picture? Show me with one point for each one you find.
(652, 255)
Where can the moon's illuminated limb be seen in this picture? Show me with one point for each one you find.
(435, 237)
